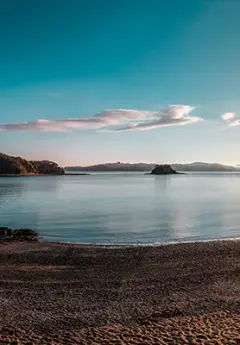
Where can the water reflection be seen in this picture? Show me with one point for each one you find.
(122, 208)
(9, 189)
(21, 200)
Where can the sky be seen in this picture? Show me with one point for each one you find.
(88, 81)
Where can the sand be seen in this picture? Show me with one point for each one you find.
(74, 294)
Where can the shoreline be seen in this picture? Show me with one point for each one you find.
(29, 175)
(62, 293)
(144, 245)
(47, 175)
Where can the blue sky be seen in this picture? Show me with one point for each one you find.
(74, 59)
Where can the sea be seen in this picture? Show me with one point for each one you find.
(124, 208)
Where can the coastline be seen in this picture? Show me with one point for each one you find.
(94, 294)
(47, 175)
(29, 175)
(136, 245)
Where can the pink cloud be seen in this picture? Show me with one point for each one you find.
(112, 120)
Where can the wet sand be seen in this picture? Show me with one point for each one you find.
(75, 294)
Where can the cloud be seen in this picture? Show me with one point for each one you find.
(228, 116)
(234, 123)
(112, 120)
(176, 115)
(231, 119)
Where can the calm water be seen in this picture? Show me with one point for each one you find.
(124, 208)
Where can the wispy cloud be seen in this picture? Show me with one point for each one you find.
(112, 120)
(231, 119)
(176, 115)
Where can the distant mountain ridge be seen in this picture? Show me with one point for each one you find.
(127, 167)
(201, 166)
(135, 167)
(10, 165)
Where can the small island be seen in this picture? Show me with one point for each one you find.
(164, 169)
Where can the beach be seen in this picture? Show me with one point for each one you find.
(52, 293)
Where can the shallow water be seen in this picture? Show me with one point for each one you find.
(123, 208)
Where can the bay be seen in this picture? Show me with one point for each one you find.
(124, 208)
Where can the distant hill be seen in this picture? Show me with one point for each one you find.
(200, 166)
(128, 167)
(10, 165)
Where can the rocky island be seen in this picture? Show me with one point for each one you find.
(163, 169)
(17, 166)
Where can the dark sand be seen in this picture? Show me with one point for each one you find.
(73, 294)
